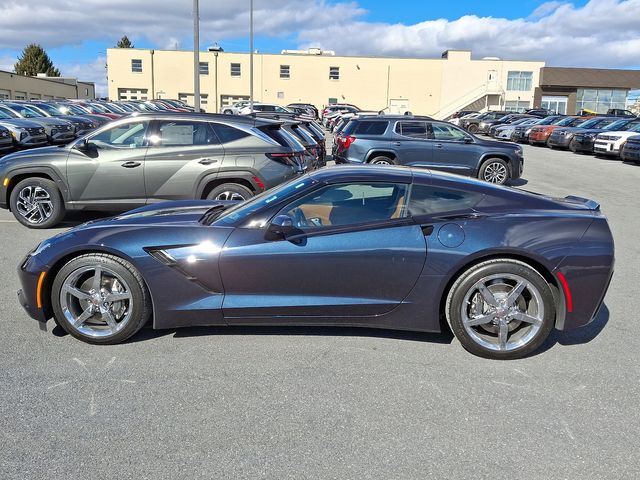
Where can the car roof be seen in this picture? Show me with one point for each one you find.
(373, 173)
(240, 119)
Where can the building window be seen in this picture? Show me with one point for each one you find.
(332, 101)
(20, 96)
(334, 73)
(600, 100)
(204, 68)
(133, 93)
(235, 70)
(86, 92)
(280, 95)
(519, 81)
(204, 98)
(136, 65)
(285, 71)
(516, 106)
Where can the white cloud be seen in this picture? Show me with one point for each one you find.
(603, 33)
(94, 71)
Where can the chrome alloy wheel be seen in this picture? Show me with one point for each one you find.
(96, 301)
(382, 162)
(228, 195)
(34, 204)
(502, 312)
(495, 172)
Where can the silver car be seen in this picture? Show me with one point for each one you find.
(24, 133)
(57, 131)
(147, 159)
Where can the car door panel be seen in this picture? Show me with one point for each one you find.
(358, 273)
(107, 177)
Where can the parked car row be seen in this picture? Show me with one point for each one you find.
(38, 123)
(611, 136)
(245, 107)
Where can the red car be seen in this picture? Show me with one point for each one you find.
(540, 134)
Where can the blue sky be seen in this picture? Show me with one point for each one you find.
(596, 33)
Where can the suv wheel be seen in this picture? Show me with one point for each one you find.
(382, 160)
(37, 203)
(228, 112)
(473, 128)
(494, 170)
(230, 191)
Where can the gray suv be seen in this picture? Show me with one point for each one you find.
(149, 158)
(423, 142)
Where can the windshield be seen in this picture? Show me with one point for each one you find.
(565, 122)
(94, 107)
(9, 112)
(73, 109)
(636, 128)
(29, 111)
(617, 125)
(5, 116)
(237, 212)
(51, 110)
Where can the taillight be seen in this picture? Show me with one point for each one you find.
(284, 158)
(346, 142)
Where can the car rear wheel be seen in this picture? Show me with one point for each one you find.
(382, 160)
(573, 146)
(37, 203)
(494, 170)
(501, 309)
(473, 128)
(230, 191)
(100, 298)
(228, 112)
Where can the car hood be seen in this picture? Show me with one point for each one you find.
(187, 212)
(33, 156)
(20, 122)
(499, 145)
(50, 121)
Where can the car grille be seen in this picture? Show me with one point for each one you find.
(35, 131)
(606, 137)
(4, 134)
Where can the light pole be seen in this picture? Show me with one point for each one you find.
(196, 55)
(251, 55)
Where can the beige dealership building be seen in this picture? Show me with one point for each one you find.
(436, 87)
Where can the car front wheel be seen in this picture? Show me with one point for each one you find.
(37, 203)
(494, 170)
(501, 309)
(100, 298)
(382, 160)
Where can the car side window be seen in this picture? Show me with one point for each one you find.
(412, 129)
(444, 132)
(183, 133)
(227, 134)
(431, 200)
(349, 204)
(128, 135)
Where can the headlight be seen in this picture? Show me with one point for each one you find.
(527, 132)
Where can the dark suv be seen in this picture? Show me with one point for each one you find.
(423, 142)
(149, 158)
(473, 124)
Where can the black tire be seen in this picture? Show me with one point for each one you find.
(227, 112)
(495, 170)
(140, 304)
(465, 284)
(573, 146)
(473, 128)
(382, 160)
(47, 200)
(230, 191)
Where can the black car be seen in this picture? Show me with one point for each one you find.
(472, 125)
(486, 125)
(427, 143)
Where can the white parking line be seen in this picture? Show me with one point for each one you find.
(8, 221)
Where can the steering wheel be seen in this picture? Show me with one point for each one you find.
(299, 219)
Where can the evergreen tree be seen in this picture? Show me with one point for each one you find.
(34, 60)
(124, 42)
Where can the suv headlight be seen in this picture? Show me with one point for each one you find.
(528, 132)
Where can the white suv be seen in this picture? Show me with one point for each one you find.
(611, 143)
(263, 107)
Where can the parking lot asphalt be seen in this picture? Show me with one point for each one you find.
(293, 403)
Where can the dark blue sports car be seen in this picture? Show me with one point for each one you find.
(385, 247)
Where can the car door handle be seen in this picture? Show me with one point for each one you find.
(397, 144)
(131, 164)
(207, 161)
(438, 145)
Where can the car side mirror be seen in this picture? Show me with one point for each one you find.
(280, 228)
(85, 146)
(468, 140)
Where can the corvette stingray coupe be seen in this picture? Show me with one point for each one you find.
(370, 246)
